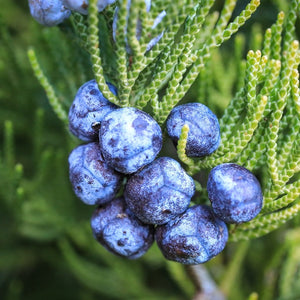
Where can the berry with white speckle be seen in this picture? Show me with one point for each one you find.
(88, 109)
(119, 231)
(160, 191)
(81, 6)
(139, 27)
(204, 130)
(129, 139)
(193, 237)
(48, 12)
(93, 181)
(234, 192)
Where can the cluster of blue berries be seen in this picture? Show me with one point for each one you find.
(53, 12)
(122, 146)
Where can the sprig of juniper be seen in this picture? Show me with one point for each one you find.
(255, 129)
(52, 97)
(172, 63)
(261, 126)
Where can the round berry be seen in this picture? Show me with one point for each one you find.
(88, 109)
(129, 139)
(80, 6)
(148, 5)
(193, 237)
(119, 231)
(93, 181)
(139, 27)
(160, 191)
(204, 130)
(48, 12)
(234, 192)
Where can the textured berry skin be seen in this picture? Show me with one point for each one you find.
(139, 28)
(234, 192)
(193, 237)
(88, 109)
(81, 6)
(93, 181)
(160, 191)
(204, 129)
(48, 12)
(119, 231)
(129, 139)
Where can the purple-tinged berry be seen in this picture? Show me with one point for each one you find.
(193, 237)
(88, 109)
(81, 6)
(204, 129)
(129, 139)
(139, 27)
(160, 191)
(119, 231)
(148, 5)
(93, 181)
(48, 12)
(234, 192)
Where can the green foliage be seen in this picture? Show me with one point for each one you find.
(260, 128)
(46, 243)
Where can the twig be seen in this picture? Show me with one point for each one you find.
(206, 287)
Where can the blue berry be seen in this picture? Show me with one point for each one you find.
(160, 191)
(48, 12)
(234, 192)
(119, 231)
(204, 133)
(81, 6)
(93, 181)
(148, 5)
(193, 237)
(88, 109)
(129, 139)
(139, 28)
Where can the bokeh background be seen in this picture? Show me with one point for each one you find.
(46, 247)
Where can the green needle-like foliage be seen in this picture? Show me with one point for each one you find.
(260, 125)
(53, 99)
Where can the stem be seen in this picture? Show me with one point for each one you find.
(206, 287)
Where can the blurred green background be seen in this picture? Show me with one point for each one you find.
(46, 247)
